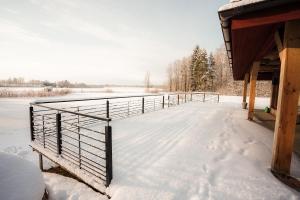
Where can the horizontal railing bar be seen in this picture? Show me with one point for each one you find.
(75, 113)
(83, 128)
(96, 170)
(93, 154)
(84, 150)
(82, 156)
(90, 160)
(85, 142)
(89, 99)
(92, 138)
(91, 173)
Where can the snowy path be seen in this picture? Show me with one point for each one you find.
(194, 151)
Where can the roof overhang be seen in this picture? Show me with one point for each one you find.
(248, 28)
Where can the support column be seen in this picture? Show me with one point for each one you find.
(274, 90)
(289, 87)
(246, 80)
(253, 78)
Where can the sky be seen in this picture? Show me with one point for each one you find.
(103, 41)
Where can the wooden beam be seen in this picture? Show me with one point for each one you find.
(268, 68)
(253, 78)
(289, 87)
(278, 44)
(265, 19)
(246, 80)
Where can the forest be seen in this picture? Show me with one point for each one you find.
(203, 71)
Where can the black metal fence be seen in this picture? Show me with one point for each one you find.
(78, 130)
(70, 135)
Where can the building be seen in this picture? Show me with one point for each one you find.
(262, 39)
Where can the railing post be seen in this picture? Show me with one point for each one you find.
(79, 140)
(163, 102)
(168, 101)
(204, 97)
(31, 123)
(143, 105)
(218, 98)
(184, 97)
(58, 132)
(108, 152)
(41, 162)
(107, 109)
(178, 99)
(44, 136)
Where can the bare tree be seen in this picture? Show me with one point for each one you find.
(147, 81)
(170, 78)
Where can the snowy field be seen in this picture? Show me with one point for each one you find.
(192, 151)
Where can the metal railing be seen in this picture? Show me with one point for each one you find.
(81, 133)
(69, 134)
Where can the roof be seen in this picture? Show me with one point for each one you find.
(238, 3)
(248, 27)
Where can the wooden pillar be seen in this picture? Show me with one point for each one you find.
(289, 87)
(253, 78)
(246, 80)
(274, 90)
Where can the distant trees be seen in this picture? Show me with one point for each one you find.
(20, 82)
(147, 81)
(192, 73)
(179, 75)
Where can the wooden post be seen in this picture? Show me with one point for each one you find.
(289, 87)
(274, 91)
(253, 77)
(246, 80)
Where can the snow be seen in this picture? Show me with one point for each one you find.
(64, 188)
(192, 151)
(238, 3)
(20, 179)
(93, 181)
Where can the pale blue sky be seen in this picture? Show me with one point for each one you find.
(103, 41)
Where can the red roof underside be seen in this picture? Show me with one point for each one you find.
(252, 37)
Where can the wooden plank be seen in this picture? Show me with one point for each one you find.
(289, 87)
(278, 43)
(253, 78)
(246, 80)
(288, 180)
(269, 18)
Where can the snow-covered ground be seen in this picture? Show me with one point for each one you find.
(192, 151)
(20, 179)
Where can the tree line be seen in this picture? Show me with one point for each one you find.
(199, 71)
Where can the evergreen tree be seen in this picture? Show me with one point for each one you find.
(194, 68)
(202, 70)
(211, 71)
